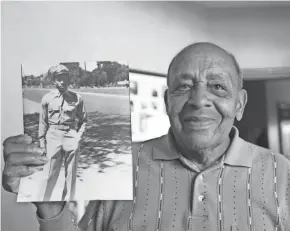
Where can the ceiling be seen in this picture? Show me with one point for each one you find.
(244, 4)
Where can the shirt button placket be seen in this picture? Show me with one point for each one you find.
(199, 197)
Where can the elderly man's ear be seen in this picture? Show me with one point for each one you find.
(241, 103)
(166, 100)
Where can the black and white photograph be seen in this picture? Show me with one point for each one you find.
(207, 115)
(79, 116)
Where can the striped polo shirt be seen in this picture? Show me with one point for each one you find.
(247, 189)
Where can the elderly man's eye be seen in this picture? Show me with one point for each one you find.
(183, 87)
(218, 87)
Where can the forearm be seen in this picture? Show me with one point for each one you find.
(64, 220)
(48, 210)
(93, 219)
(82, 116)
(82, 129)
(55, 216)
(43, 124)
(42, 130)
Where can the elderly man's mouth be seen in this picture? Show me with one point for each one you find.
(198, 123)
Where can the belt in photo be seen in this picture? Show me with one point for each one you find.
(62, 127)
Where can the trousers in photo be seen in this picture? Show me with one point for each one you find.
(62, 149)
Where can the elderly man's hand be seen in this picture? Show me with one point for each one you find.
(43, 151)
(23, 158)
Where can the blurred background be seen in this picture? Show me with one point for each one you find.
(148, 35)
(266, 120)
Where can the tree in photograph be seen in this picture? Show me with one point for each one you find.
(111, 69)
(122, 73)
(28, 80)
(47, 80)
(85, 79)
(36, 81)
(103, 79)
(100, 77)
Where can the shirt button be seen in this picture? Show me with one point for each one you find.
(201, 176)
(201, 198)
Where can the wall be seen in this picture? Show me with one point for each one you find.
(255, 117)
(276, 91)
(258, 37)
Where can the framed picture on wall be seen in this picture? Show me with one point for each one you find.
(284, 127)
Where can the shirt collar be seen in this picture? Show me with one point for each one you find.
(238, 154)
(58, 94)
(166, 148)
(55, 93)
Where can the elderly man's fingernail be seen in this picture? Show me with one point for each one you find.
(43, 158)
(37, 149)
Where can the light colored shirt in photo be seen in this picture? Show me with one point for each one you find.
(61, 109)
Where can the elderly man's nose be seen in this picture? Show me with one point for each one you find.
(198, 97)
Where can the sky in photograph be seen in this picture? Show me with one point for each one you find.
(39, 68)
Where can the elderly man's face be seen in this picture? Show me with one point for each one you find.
(203, 97)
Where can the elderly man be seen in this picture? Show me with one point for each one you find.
(201, 175)
(59, 135)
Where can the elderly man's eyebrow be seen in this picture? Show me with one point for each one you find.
(185, 76)
(219, 75)
(180, 77)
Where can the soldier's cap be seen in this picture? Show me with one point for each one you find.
(58, 70)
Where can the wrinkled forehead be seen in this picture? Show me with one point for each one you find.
(201, 59)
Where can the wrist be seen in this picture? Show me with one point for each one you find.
(48, 210)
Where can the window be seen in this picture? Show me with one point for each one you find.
(154, 105)
(133, 87)
(154, 93)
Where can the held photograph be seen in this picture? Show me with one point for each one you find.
(78, 114)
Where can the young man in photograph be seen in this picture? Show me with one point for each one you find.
(62, 123)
